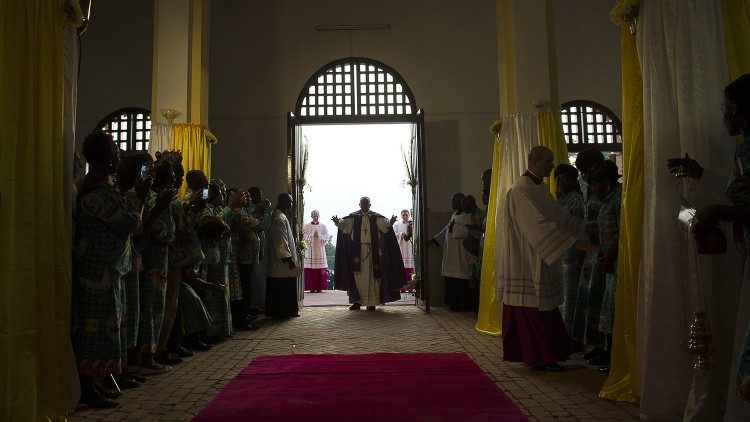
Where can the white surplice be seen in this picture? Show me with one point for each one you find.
(315, 253)
(537, 232)
(367, 285)
(406, 246)
(455, 256)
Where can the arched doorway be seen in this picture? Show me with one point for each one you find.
(359, 90)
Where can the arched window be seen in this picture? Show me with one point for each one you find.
(130, 127)
(356, 89)
(589, 124)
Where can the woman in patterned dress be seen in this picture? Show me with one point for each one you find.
(104, 222)
(130, 179)
(570, 197)
(153, 280)
(604, 184)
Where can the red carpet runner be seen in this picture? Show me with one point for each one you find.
(383, 386)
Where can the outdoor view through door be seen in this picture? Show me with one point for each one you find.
(356, 131)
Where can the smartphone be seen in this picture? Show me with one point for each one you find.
(205, 193)
(144, 171)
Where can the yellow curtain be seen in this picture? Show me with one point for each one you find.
(736, 35)
(551, 136)
(196, 152)
(623, 381)
(488, 318)
(35, 243)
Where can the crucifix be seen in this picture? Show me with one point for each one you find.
(364, 230)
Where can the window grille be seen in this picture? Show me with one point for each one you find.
(355, 87)
(589, 124)
(130, 128)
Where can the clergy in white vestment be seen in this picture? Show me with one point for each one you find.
(282, 265)
(316, 262)
(404, 234)
(455, 268)
(368, 261)
(536, 233)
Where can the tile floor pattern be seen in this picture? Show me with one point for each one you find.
(182, 393)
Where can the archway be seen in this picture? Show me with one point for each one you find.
(359, 91)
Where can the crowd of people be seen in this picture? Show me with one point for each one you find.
(158, 278)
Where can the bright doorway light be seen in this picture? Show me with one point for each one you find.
(346, 162)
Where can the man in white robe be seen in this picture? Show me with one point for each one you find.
(537, 232)
(404, 235)
(316, 261)
(455, 268)
(282, 264)
(368, 262)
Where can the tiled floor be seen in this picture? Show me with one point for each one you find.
(180, 394)
(340, 298)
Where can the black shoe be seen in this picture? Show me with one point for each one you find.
(595, 352)
(137, 378)
(552, 367)
(109, 394)
(251, 318)
(124, 381)
(370, 308)
(97, 401)
(604, 369)
(355, 306)
(199, 346)
(164, 358)
(295, 316)
(182, 352)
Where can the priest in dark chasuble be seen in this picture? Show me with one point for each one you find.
(368, 260)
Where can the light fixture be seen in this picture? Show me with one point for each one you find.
(362, 27)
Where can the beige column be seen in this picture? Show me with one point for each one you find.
(180, 73)
(527, 64)
(180, 81)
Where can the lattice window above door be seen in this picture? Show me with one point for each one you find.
(130, 128)
(589, 124)
(355, 87)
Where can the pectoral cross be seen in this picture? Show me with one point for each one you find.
(356, 260)
(364, 230)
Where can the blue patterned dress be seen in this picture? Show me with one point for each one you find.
(738, 191)
(153, 281)
(590, 288)
(571, 266)
(609, 228)
(214, 270)
(130, 282)
(104, 222)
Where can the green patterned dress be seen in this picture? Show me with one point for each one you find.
(609, 227)
(153, 281)
(130, 282)
(590, 289)
(214, 270)
(104, 222)
(570, 264)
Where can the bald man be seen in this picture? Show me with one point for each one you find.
(537, 232)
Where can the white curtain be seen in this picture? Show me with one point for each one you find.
(681, 50)
(161, 138)
(519, 133)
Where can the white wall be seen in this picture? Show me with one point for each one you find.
(262, 52)
(588, 53)
(116, 61)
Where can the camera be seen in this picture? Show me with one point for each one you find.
(205, 193)
(144, 171)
